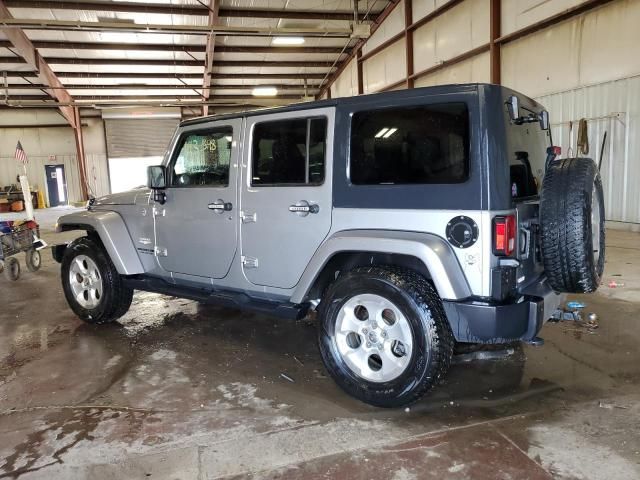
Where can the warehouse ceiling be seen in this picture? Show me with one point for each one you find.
(122, 53)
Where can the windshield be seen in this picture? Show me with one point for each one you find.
(527, 149)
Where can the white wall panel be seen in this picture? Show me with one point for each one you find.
(346, 85)
(613, 107)
(544, 62)
(52, 145)
(422, 8)
(385, 68)
(473, 70)
(393, 24)
(459, 30)
(589, 49)
(609, 41)
(517, 14)
(98, 177)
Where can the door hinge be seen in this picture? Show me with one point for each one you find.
(249, 262)
(160, 251)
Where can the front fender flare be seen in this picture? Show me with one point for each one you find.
(436, 254)
(113, 233)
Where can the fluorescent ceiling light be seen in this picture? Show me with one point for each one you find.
(381, 132)
(287, 41)
(389, 133)
(264, 92)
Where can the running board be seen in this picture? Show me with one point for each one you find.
(226, 298)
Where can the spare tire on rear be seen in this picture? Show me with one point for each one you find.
(572, 225)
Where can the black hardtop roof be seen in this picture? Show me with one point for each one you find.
(357, 100)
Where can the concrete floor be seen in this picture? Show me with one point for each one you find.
(184, 391)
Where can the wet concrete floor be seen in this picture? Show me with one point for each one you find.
(179, 390)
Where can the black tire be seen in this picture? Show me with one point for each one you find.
(11, 269)
(116, 297)
(567, 199)
(418, 301)
(33, 259)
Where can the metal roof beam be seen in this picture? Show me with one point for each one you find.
(89, 100)
(231, 30)
(177, 76)
(172, 63)
(165, 47)
(23, 47)
(164, 9)
(137, 86)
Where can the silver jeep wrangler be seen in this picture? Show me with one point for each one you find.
(408, 220)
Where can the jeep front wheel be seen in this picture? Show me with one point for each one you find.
(383, 335)
(93, 288)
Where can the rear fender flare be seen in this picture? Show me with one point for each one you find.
(436, 254)
(113, 233)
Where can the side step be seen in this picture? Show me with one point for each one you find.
(226, 298)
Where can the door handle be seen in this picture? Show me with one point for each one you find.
(304, 208)
(221, 206)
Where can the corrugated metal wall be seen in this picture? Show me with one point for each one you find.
(588, 59)
(97, 174)
(611, 107)
(52, 145)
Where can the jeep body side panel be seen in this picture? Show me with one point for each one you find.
(433, 251)
(470, 260)
(113, 233)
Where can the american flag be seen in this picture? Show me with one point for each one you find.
(20, 155)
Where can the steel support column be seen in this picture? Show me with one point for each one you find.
(82, 161)
(494, 47)
(408, 39)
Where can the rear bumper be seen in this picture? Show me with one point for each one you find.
(477, 321)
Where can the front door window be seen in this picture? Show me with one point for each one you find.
(203, 159)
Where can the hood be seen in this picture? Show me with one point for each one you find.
(130, 197)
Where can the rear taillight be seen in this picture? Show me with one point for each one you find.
(504, 235)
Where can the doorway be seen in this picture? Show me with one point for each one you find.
(56, 185)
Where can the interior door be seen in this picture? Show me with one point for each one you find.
(56, 185)
(286, 194)
(196, 228)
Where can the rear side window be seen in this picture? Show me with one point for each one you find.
(527, 147)
(289, 152)
(413, 145)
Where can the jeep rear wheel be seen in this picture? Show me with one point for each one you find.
(383, 335)
(572, 225)
(93, 288)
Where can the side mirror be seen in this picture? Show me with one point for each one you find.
(157, 181)
(513, 107)
(544, 120)
(157, 177)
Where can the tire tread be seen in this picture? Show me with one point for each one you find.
(434, 319)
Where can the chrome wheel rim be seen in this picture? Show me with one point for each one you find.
(373, 338)
(85, 281)
(595, 224)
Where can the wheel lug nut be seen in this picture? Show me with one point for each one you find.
(384, 334)
(368, 344)
(365, 331)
